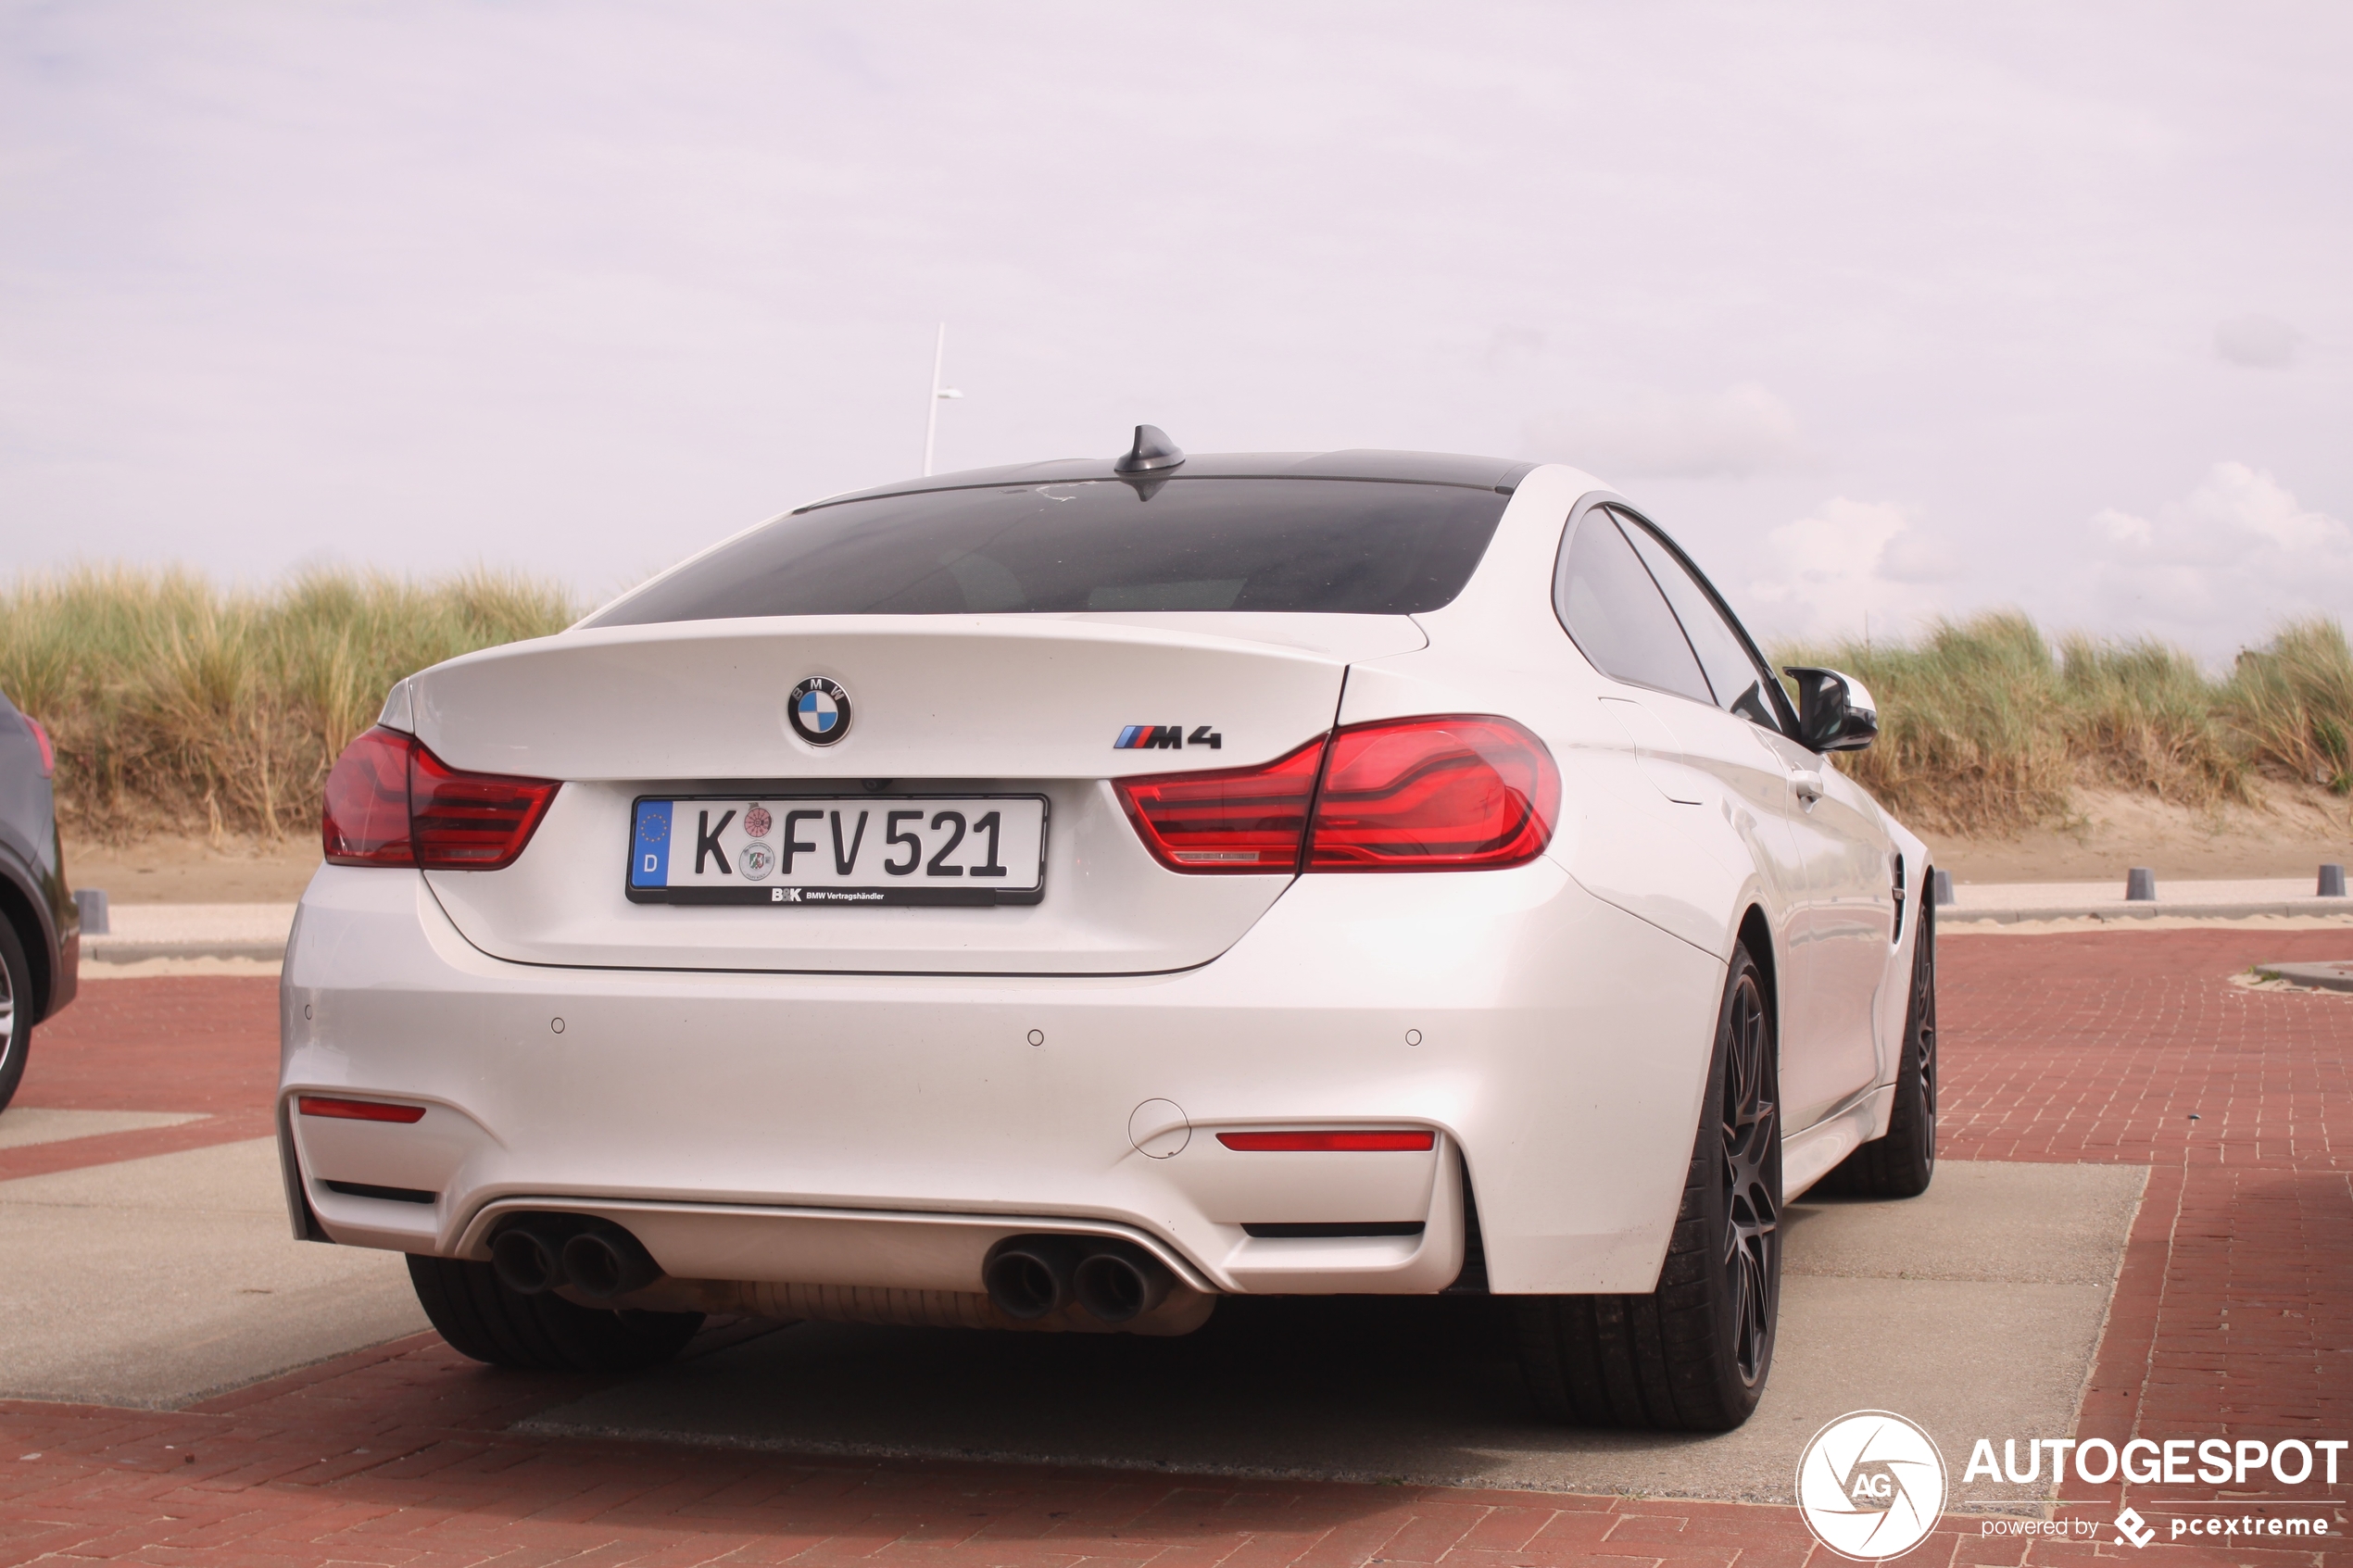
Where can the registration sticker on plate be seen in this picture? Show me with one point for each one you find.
(793, 851)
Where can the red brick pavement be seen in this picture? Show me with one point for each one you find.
(2232, 1317)
(2233, 1314)
(2099, 1046)
(207, 1044)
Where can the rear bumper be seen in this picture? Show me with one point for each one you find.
(884, 1131)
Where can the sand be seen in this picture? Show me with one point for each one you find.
(169, 869)
(2290, 835)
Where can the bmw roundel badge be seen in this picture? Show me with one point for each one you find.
(819, 710)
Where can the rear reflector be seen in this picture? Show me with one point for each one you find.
(1232, 819)
(40, 739)
(1456, 794)
(1328, 1143)
(390, 802)
(357, 1110)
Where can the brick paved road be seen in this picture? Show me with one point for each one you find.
(2233, 1317)
(207, 1044)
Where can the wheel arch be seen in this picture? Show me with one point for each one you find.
(22, 911)
(1755, 933)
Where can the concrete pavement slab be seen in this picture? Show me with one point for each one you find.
(2336, 976)
(152, 935)
(156, 1282)
(2043, 902)
(22, 1126)
(1975, 1309)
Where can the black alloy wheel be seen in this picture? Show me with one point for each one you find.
(1751, 1174)
(1693, 1354)
(16, 1013)
(1903, 1162)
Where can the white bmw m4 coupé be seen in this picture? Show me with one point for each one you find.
(1055, 897)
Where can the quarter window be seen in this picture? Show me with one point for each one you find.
(1615, 613)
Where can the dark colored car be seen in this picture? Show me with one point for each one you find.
(39, 931)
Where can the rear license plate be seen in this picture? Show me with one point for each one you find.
(839, 850)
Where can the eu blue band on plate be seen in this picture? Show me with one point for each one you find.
(649, 863)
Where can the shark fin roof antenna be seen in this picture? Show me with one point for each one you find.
(1152, 452)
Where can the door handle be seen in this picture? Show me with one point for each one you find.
(1808, 786)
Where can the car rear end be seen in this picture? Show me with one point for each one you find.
(40, 929)
(881, 920)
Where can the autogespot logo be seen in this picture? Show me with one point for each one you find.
(1870, 1485)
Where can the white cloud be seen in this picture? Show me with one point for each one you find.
(1849, 561)
(2235, 556)
(2262, 342)
(1914, 556)
(1742, 431)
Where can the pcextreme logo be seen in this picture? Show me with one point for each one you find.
(1870, 1485)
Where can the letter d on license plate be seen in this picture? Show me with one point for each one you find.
(794, 851)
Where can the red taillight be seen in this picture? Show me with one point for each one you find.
(1459, 794)
(357, 1110)
(365, 820)
(390, 802)
(1471, 793)
(1233, 820)
(1328, 1143)
(470, 821)
(49, 752)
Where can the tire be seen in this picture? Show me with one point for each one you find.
(16, 1013)
(482, 1318)
(1902, 1162)
(1692, 1355)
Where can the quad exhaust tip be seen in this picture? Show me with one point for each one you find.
(538, 1252)
(1027, 1277)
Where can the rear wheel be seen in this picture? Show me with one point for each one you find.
(481, 1317)
(1903, 1161)
(1692, 1355)
(16, 1013)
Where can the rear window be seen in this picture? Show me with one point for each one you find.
(1299, 545)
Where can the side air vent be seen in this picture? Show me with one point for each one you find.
(1311, 1232)
(389, 1195)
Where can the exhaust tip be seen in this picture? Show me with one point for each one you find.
(526, 1264)
(1118, 1284)
(1028, 1276)
(608, 1262)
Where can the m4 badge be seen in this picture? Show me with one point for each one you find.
(1166, 737)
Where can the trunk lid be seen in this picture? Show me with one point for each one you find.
(1023, 705)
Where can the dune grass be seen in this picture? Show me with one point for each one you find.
(1988, 727)
(178, 706)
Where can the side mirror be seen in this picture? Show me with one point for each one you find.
(1835, 712)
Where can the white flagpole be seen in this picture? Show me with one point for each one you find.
(931, 424)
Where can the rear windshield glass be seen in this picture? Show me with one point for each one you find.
(1329, 545)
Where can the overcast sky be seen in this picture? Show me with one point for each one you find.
(1885, 309)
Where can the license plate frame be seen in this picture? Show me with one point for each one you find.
(780, 892)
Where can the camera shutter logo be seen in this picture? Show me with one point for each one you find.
(818, 710)
(1870, 1485)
